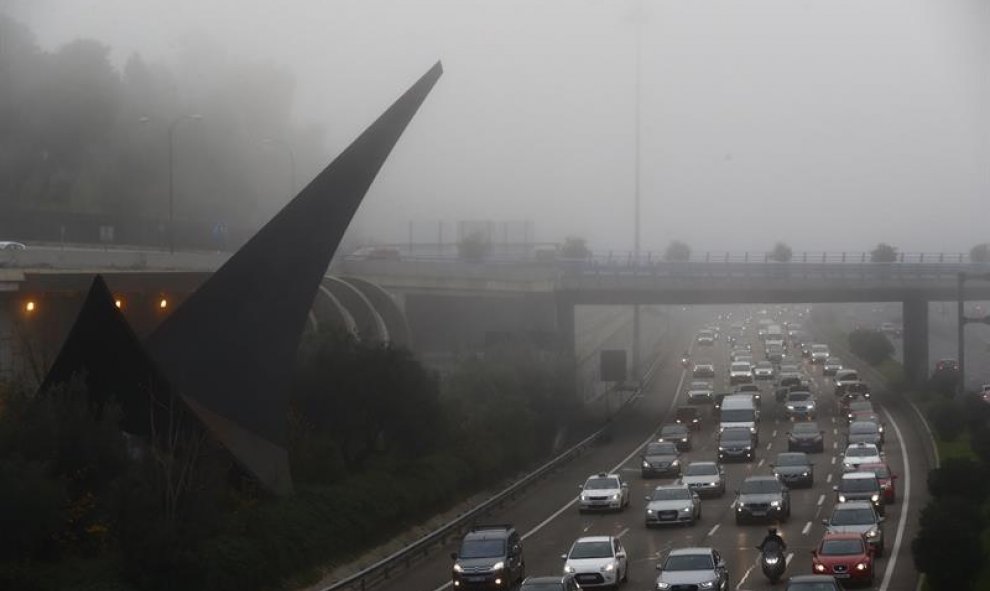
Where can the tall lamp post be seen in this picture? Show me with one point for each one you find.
(171, 176)
(636, 173)
(292, 161)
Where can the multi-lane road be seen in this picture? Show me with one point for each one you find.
(548, 518)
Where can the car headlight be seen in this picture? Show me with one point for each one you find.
(811, 406)
(875, 498)
(646, 464)
(661, 585)
(739, 508)
(458, 568)
(873, 533)
(819, 567)
(615, 497)
(752, 429)
(608, 567)
(790, 407)
(842, 498)
(684, 440)
(675, 463)
(707, 585)
(775, 503)
(862, 566)
(805, 474)
(650, 511)
(569, 569)
(498, 565)
(686, 509)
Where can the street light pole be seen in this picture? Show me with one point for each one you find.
(636, 175)
(171, 177)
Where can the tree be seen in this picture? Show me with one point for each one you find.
(575, 248)
(677, 251)
(872, 346)
(884, 253)
(781, 253)
(980, 253)
(474, 247)
(948, 548)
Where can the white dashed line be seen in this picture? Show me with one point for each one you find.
(622, 533)
(835, 431)
(769, 444)
(760, 463)
(807, 528)
(821, 500)
(835, 445)
(714, 529)
(787, 561)
(833, 460)
(828, 478)
(774, 433)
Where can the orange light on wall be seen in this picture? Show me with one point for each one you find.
(163, 303)
(29, 306)
(119, 303)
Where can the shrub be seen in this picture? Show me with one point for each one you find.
(884, 253)
(872, 346)
(575, 248)
(947, 419)
(948, 548)
(677, 251)
(781, 253)
(959, 477)
(474, 247)
(980, 253)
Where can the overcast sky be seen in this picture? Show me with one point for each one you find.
(829, 124)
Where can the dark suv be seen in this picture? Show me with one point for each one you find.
(491, 557)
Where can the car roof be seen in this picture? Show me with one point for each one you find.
(593, 539)
(761, 477)
(678, 486)
(860, 445)
(688, 551)
(832, 535)
(854, 505)
(703, 463)
(859, 476)
(811, 579)
(603, 475)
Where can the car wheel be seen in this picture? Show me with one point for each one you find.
(625, 575)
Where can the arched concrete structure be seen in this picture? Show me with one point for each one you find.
(368, 322)
(328, 312)
(388, 309)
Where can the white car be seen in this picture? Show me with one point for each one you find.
(846, 376)
(704, 369)
(604, 492)
(763, 371)
(597, 561)
(740, 372)
(674, 504)
(693, 568)
(704, 478)
(860, 453)
(700, 393)
(10, 245)
(819, 353)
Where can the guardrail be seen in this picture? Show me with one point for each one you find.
(403, 558)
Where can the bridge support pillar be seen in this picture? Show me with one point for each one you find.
(915, 340)
(565, 325)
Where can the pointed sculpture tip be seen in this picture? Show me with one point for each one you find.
(438, 67)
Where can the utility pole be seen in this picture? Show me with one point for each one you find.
(636, 185)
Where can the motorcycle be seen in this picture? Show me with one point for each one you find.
(773, 563)
(685, 361)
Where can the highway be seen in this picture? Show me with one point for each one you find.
(549, 520)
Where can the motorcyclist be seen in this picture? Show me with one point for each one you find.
(773, 542)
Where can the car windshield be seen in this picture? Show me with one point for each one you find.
(737, 415)
(853, 517)
(819, 348)
(849, 376)
(841, 547)
(740, 367)
(661, 449)
(858, 485)
(592, 550)
(482, 549)
(760, 486)
(805, 429)
(862, 428)
(789, 369)
(798, 396)
(673, 431)
(764, 365)
(861, 452)
(857, 406)
(601, 483)
(542, 587)
(689, 562)
(833, 361)
(812, 586)
(701, 386)
(671, 494)
(687, 412)
(880, 471)
(736, 436)
(792, 460)
(701, 470)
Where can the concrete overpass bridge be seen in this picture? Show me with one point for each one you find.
(445, 303)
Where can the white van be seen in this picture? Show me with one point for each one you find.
(739, 410)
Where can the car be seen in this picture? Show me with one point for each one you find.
(554, 583)
(857, 405)
(891, 329)
(860, 453)
(751, 389)
(704, 478)
(764, 498)
(807, 437)
(736, 443)
(689, 416)
(845, 376)
(597, 561)
(678, 434)
(865, 432)
(886, 477)
(660, 458)
(700, 393)
(603, 492)
(946, 366)
(693, 568)
(775, 352)
(794, 469)
(857, 517)
(873, 417)
(672, 504)
(831, 366)
(490, 557)
(717, 400)
(860, 486)
(819, 353)
(740, 372)
(10, 245)
(812, 583)
(763, 371)
(705, 338)
(703, 369)
(800, 406)
(861, 389)
(847, 557)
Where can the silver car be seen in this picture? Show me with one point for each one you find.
(672, 504)
(700, 568)
(857, 517)
(704, 478)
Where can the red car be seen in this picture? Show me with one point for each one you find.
(846, 557)
(886, 478)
